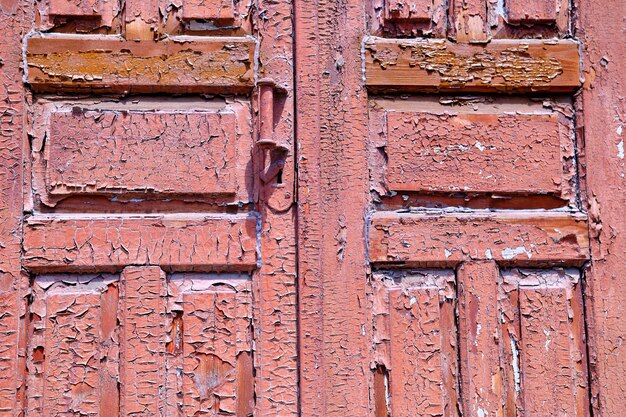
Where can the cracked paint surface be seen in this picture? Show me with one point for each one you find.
(216, 11)
(542, 314)
(376, 336)
(414, 335)
(194, 242)
(82, 16)
(143, 332)
(332, 198)
(401, 18)
(190, 344)
(13, 283)
(73, 346)
(601, 113)
(479, 21)
(133, 148)
(499, 147)
(479, 336)
(470, 21)
(447, 239)
(211, 344)
(167, 142)
(141, 343)
(108, 64)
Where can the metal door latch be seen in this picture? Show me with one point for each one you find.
(275, 152)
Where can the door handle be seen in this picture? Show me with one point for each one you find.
(273, 151)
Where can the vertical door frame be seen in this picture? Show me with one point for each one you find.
(601, 115)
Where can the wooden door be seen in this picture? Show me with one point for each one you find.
(459, 164)
(454, 243)
(148, 235)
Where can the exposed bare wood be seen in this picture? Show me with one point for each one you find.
(501, 65)
(104, 63)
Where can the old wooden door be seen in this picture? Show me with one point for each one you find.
(454, 244)
(148, 241)
(461, 207)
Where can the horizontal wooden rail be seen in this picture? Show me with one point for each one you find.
(509, 238)
(433, 65)
(97, 243)
(112, 64)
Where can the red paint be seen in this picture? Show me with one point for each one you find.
(167, 248)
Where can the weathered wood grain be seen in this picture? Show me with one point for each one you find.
(106, 63)
(501, 65)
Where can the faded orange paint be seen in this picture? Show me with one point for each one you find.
(444, 238)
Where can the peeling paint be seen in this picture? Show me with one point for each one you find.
(510, 253)
(116, 65)
(195, 148)
(273, 325)
(434, 65)
(515, 365)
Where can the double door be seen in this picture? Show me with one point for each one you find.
(363, 208)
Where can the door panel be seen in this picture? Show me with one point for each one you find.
(431, 65)
(453, 246)
(414, 332)
(158, 237)
(108, 64)
(212, 343)
(74, 365)
(193, 148)
(447, 137)
(544, 310)
(456, 147)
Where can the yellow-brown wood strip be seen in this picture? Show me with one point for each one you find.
(111, 64)
(501, 65)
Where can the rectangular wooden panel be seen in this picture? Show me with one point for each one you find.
(106, 63)
(71, 354)
(411, 10)
(212, 337)
(142, 373)
(402, 18)
(108, 243)
(549, 368)
(469, 20)
(167, 153)
(501, 65)
(479, 331)
(79, 8)
(211, 347)
(221, 11)
(524, 238)
(531, 10)
(414, 334)
(522, 341)
(142, 149)
(77, 16)
(73, 350)
(119, 148)
(447, 150)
